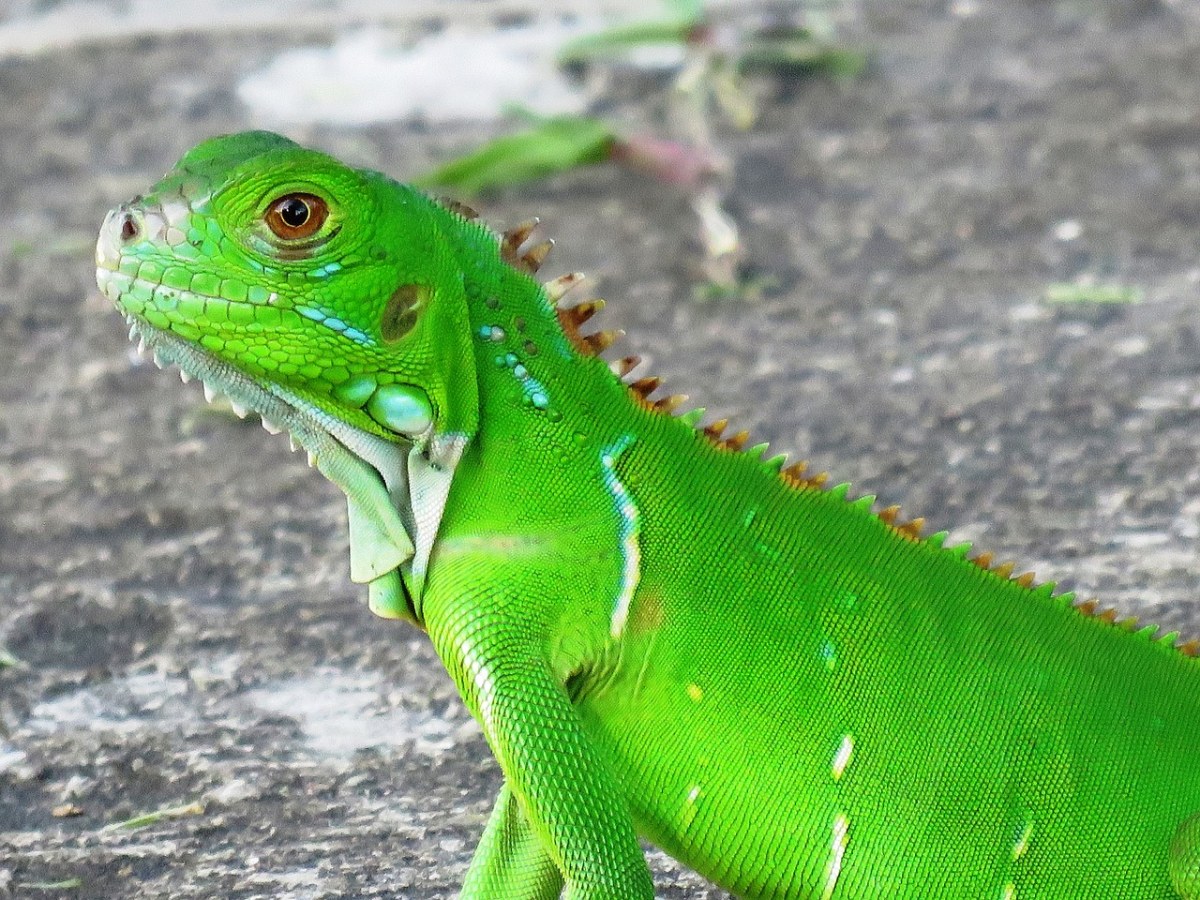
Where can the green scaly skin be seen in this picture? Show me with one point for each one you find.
(660, 635)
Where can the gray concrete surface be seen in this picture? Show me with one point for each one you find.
(174, 583)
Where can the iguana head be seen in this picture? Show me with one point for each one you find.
(331, 283)
(328, 300)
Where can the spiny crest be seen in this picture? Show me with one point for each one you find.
(597, 342)
(1004, 569)
(1112, 616)
(795, 475)
(526, 259)
(911, 529)
(1108, 614)
(570, 318)
(1090, 608)
(459, 208)
(644, 387)
(641, 389)
(626, 364)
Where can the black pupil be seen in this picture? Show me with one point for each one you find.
(294, 212)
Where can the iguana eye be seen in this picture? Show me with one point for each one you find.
(297, 216)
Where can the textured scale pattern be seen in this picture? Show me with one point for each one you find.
(663, 630)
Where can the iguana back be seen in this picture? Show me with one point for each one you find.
(660, 631)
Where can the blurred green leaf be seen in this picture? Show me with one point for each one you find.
(623, 38)
(795, 51)
(552, 145)
(158, 815)
(787, 51)
(688, 10)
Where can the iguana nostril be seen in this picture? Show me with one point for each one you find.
(130, 230)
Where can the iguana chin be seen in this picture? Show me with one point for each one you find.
(661, 632)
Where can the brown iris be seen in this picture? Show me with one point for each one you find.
(294, 217)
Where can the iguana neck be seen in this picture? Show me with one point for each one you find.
(528, 367)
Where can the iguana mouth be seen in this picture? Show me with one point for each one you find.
(218, 378)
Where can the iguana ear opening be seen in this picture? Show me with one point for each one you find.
(401, 311)
(424, 328)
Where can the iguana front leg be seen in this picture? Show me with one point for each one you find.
(573, 806)
(511, 860)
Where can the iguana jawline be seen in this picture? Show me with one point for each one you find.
(373, 473)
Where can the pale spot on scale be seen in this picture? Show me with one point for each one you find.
(828, 654)
(176, 212)
(629, 531)
(1022, 843)
(766, 550)
(841, 759)
(695, 692)
(687, 814)
(492, 333)
(846, 600)
(153, 225)
(1009, 892)
(840, 837)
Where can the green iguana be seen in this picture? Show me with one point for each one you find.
(661, 632)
